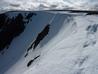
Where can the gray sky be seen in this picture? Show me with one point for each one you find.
(31, 4)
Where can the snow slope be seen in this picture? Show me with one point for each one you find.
(70, 47)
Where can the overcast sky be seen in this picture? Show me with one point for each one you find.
(31, 4)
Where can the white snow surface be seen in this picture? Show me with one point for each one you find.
(69, 48)
(7, 5)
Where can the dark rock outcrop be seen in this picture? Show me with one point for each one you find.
(40, 37)
(29, 16)
(31, 61)
(26, 55)
(3, 19)
(11, 27)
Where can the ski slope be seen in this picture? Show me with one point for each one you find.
(70, 47)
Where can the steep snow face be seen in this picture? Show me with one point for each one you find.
(53, 44)
(20, 44)
(72, 51)
(6, 5)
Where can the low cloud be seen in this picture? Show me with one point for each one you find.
(46, 4)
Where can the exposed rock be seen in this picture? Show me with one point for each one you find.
(11, 28)
(40, 37)
(31, 61)
(29, 16)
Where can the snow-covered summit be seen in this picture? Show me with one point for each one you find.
(43, 42)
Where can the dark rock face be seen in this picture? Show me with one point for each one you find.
(26, 55)
(40, 37)
(3, 19)
(92, 13)
(29, 16)
(11, 28)
(31, 61)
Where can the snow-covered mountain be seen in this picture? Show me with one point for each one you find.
(45, 42)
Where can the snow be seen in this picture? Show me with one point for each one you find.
(68, 56)
(69, 48)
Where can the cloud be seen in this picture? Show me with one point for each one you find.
(46, 4)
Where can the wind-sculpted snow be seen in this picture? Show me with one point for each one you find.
(92, 28)
(67, 53)
(60, 43)
(91, 31)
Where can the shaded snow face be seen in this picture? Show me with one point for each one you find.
(11, 27)
(47, 4)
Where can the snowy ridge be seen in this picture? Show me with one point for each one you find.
(69, 47)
